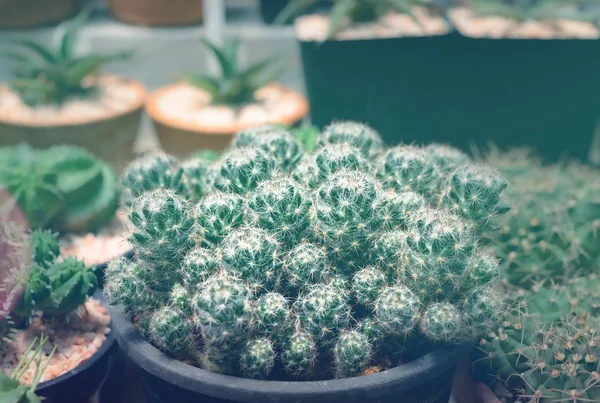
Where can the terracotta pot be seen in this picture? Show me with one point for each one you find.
(157, 12)
(180, 138)
(32, 13)
(111, 138)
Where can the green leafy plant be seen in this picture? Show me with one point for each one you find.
(64, 187)
(11, 390)
(234, 87)
(267, 270)
(45, 75)
(347, 12)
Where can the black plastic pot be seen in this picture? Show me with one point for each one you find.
(79, 384)
(101, 268)
(541, 93)
(427, 379)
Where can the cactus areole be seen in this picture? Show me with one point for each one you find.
(304, 267)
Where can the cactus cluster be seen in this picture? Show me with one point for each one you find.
(552, 230)
(65, 188)
(282, 271)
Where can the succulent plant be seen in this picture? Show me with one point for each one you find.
(11, 388)
(48, 75)
(552, 230)
(54, 286)
(345, 12)
(234, 87)
(267, 273)
(64, 187)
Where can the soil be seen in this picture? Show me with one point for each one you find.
(76, 337)
(113, 96)
(315, 27)
(100, 247)
(187, 107)
(500, 27)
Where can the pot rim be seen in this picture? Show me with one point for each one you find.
(403, 377)
(135, 107)
(157, 117)
(104, 348)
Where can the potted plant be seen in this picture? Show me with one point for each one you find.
(57, 97)
(157, 12)
(496, 77)
(47, 295)
(69, 190)
(372, 61)
(33, 13)
(297, 268)
(546, 347)
(206, 111)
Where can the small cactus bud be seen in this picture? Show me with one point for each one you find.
(361, 136)
(198, 265)
(397, 310)
(125, 285)
(407, 168)
(171, 330)
(299, 354)
(271, 316)
(218, 214)
(441, 322)
(366, 285)
(258, 358)
(306, 265)
(333, 158)
(352, 353)
(392, 209)
(243, 169)
(152, 172)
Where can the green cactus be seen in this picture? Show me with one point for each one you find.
(217, 214)
(45, 247)
(271, 316)
(407, 168)
(258, 358)
(305, 267)
(280, 206)
(253, 253)
(299, 354)
(352, 354)
(171, 330)
(552, 231)
(7, 329)
(358, 135)
(275, 141)
(64, 187)
(164, 228)
(152, 172)
(197, 178)
(242, 169)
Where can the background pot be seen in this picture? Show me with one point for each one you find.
(460, 90)
(270, 9)
(427, 379)
(181, 139)
(79, 384)
(110, 138)
(33, 13)
(157, 12)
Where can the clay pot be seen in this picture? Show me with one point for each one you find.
(111, 138)
(157, 12)
(33, 13)
(179, 138)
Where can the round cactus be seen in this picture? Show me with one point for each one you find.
(366, 285)
(241, 170)
(392, 209)
(306, 265)
(481, 309)
(307, 172)
(333, 158)
(323, 311)
(446, 158)
(371, 328)
(180, 298)
(217, 214)
(151, 172)
(253, 253)
(196, 178)
(299, 354)
(352, 353)
(274, 141)
(125, 285)
(281, 207)
(171, 330)
(407, 168)
(164, 229)
(441, 322)
(344, 211)
(397, 310)
(258, 358)
(44, 247)
(221, 309)
(197, 265)
(355, 134)
(271, 316)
